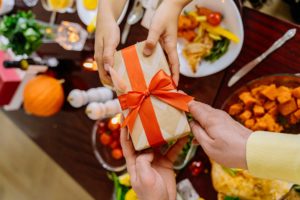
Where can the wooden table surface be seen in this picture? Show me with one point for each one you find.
(66, 137)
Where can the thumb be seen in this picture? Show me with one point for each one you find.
(200, 111)
(152, 39)
(144, 169)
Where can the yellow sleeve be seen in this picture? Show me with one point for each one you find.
(274, 156)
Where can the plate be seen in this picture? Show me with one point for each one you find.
(232, 21)
(86, 16)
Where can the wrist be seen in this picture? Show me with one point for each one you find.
(180, 4)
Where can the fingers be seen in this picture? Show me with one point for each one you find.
(129, 153)
(144, 170)
(152, 39)
(119, 84)
(200, 112)
(170, 46)
(202, 137)
(108, 53)
(104, 75)
(176, 149)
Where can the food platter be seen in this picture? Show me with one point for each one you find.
(231, 21)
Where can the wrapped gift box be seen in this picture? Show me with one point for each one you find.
(9, 81)
(152, 107)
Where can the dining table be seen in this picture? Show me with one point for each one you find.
(66, 136)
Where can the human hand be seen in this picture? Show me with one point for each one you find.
(222, 138)
(151, 174)
(106, 41)
(164, 28)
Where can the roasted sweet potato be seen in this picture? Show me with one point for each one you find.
(296, 92)
(293, 119)
(298, 103)
(247, 114)
(270, 92)
(273, 112)
(249, 123)
(297, 114)
(235, 109)
(269, 105)
(284, 94)
(247, 99)
(258, 110)
(256, 91)
(288, 107)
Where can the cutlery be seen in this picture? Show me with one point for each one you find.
(134, 16)
(248, 67)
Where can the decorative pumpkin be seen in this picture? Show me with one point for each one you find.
(43, 96)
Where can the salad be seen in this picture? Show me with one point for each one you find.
(205, 37)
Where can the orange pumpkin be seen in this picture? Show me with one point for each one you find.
(43, 96)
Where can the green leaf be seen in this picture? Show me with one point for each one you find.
(231, 198)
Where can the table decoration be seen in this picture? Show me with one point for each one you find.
(150, 97)
(106, 144)
(6, 6)
(43, 96)
(96, 111)
(23, 32)
(71, 36)
(9, 80)
(78, 98)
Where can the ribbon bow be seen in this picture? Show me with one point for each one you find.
(161, 87)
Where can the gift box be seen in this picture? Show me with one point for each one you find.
(153, 109)
(9, 81)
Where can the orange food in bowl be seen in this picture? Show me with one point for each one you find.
(263, 107)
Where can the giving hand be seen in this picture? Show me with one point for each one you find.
(151, 174)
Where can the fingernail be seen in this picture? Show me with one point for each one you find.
(106, 67)
(147, 51)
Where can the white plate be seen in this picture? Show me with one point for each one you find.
(231, 21)
(86, 16)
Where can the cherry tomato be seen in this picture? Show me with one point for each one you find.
(101, 127)
(116, 134)
(214, 18)
(117, 154)
(203, 11)
(196, 168)
(105, 139)
(115, 144)
(113, 126)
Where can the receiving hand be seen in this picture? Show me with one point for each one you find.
(222, 138)
(151, 174)
(164, 28)
(106, 42)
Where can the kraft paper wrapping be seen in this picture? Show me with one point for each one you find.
(172, 122)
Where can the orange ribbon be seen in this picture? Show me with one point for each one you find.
(138, 101)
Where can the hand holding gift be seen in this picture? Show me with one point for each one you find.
(153, 108)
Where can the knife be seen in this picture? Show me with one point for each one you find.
(248, 67)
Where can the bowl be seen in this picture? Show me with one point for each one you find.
(288, 80)
(232, 21)
(103, 153)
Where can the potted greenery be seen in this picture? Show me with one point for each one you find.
(23, 32)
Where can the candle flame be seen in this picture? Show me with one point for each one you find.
(116, 119)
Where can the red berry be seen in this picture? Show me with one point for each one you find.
(196, 168)
(105, 139)
(117, 154)
(115, 144)
(116, 134)
(113, 126)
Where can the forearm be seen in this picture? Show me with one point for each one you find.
(181, 3)
(274, 156)
(110, 9)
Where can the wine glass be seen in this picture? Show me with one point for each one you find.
(58, 6)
